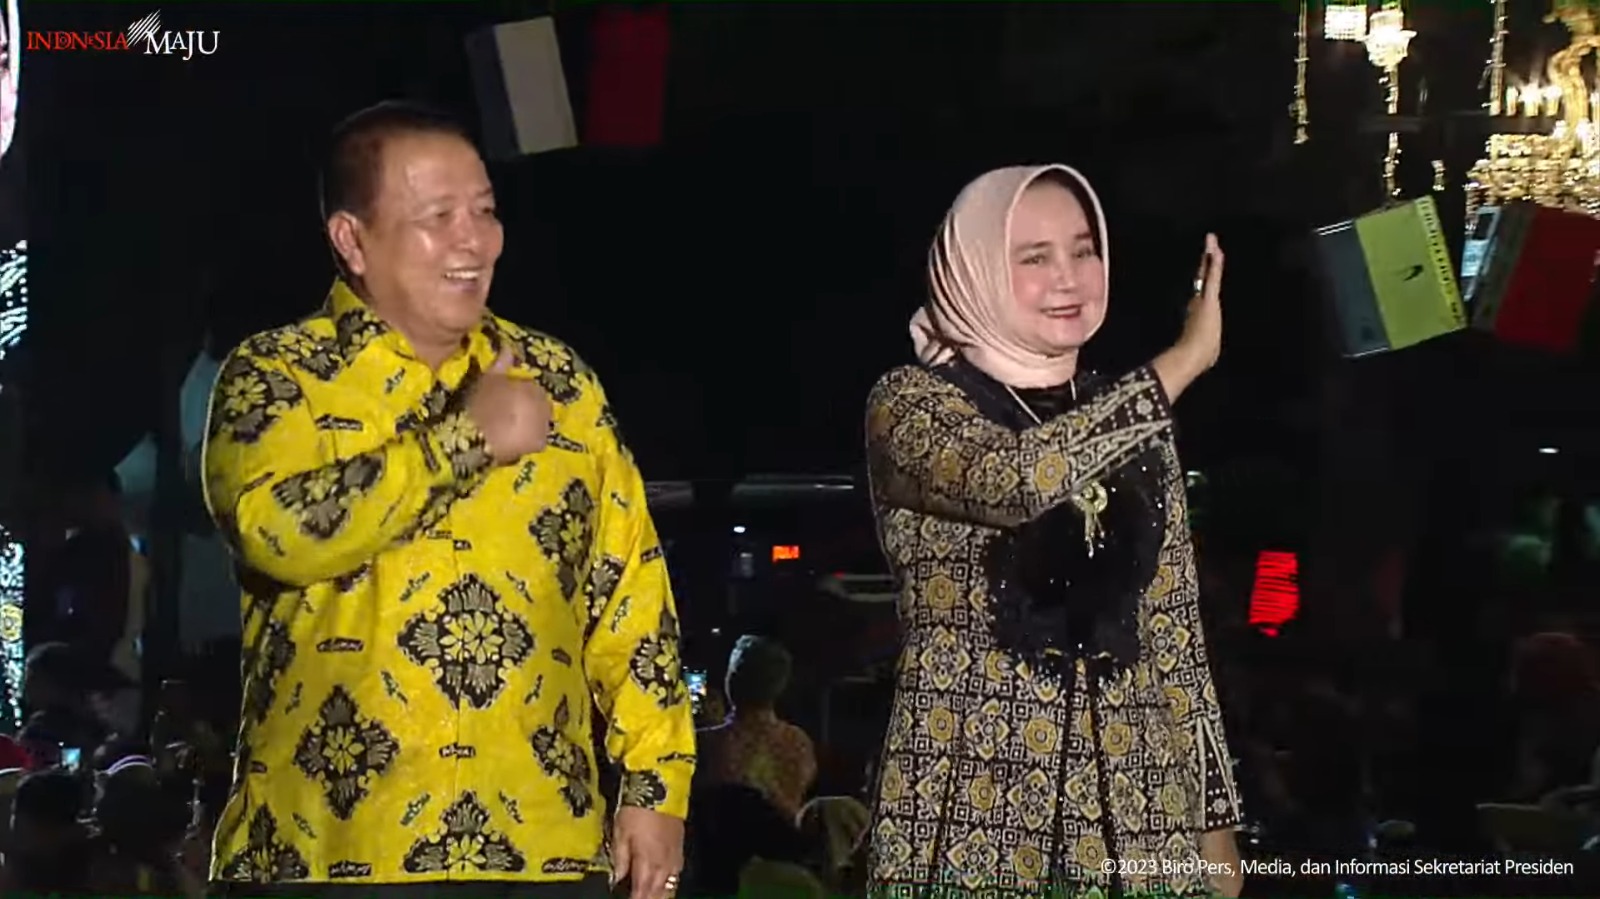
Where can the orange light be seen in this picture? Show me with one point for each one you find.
(785, 553)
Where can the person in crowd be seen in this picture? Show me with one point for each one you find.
(141, 819)
(1555, 686)
(95, 585)
(1055, 720)
(836, 829)
(763, 878)
(13, 756)
(1579, 803)
(48, 842)
(88, 574)
(1327, 771)
(64, 693)
(182, 739)
(447, 562)
(10, 780)
(734, 825)
(754, 746)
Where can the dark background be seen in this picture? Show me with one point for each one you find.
(740, 286)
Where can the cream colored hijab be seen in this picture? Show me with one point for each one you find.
(970, 310)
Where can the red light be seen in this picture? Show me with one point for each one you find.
(1276, 597)
(782, 553)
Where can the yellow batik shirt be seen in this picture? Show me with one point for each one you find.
(426, 634)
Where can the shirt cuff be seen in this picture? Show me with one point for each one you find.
(656, 790)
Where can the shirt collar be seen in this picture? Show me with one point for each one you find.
(356, 327)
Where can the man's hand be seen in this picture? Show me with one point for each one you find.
(1221, 848)
(647, 849)
(513, 413)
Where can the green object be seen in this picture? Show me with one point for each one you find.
(1390, 280)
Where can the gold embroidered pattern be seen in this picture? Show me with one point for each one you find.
(992, 783)
(400, 723)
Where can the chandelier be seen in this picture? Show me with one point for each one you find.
(1388, 39)
(1345, 20)
(1555, 164)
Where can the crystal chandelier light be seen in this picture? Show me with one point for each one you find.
(1557, 164)
(1387, 42)
(1345, 20)
(1388, 38)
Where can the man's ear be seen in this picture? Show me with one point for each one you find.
(344, 234)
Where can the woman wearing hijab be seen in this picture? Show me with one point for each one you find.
(1055, 726)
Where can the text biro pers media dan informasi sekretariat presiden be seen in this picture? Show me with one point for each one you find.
(1413, 867)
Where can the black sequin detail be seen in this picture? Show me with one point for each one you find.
(1054, 601)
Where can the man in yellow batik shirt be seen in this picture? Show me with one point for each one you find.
(447, 562)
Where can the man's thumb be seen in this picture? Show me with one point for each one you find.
(621, 856)
(502, 362)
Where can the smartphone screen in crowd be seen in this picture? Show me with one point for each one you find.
(696, 681)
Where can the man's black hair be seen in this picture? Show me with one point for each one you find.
(758, 672)
(353, 164)
(55, 661)
(52, 797)
(72, 669)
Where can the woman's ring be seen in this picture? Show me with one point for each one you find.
(671, 883)
(1199, 284)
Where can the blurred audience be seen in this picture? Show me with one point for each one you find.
(1377, 751)
(64, 694)
(1555, 689)
(48, 844)
(834, 828)
(12, 756)
(729, 826)
(142, 819)
(754, 747)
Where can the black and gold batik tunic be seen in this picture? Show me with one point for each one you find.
(426, 634)
(1055, 729)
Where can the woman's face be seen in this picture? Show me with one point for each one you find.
(1058, 281)
(8, 85)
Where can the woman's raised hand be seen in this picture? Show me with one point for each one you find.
(1200, 344)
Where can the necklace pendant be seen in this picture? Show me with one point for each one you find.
(1091, 501)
